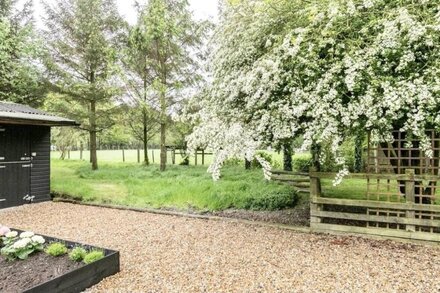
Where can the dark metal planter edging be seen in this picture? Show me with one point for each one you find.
(81, 278)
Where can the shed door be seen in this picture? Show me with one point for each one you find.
(15, 165)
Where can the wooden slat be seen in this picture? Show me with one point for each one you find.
(277, 178)
(403, 177)
(374, 218)
(376, 204)
(321, 227)
(289, 173)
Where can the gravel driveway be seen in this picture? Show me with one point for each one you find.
(162, 253)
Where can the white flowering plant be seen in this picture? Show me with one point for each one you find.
(20, 246)
(322, 70)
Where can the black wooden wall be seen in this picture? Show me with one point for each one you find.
(40, 172)
(24, 164)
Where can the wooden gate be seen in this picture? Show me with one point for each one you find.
(401, 193)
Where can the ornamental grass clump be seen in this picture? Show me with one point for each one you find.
(56, 249)
(77, 254)
(93, 256)
(20, 247)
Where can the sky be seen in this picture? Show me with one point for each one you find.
(202, 9)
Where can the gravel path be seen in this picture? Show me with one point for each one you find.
(162, 253)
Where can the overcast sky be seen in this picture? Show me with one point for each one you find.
(203, 9)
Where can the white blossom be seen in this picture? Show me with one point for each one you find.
(21, 243)
(38, 239)
(11, 234)
(26, 234)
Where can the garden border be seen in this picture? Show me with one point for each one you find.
(81, 278)
(298, 229)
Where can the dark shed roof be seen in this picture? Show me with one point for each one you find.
(11, 113)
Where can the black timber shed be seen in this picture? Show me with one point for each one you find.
(25, 153)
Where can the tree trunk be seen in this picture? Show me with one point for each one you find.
(144, 112)
(358, 152)
(163, 150)
(92, 120)
(316, 151)
(247, 164)
(287, 160)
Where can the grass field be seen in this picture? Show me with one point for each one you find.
(179, 187)
(154, 155)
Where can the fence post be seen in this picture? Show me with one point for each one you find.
(315, 192)
(203, 157)
(152, 154)
(139, 155)
(410, 196)
(123, 155)
(195, 157)
(68, 154)
(173, 156)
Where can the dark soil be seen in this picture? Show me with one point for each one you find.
(19, 275)
(298, 216)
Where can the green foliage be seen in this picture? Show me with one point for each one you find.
(302, 163)
(272, 202)
(179, 187)
(56, 249)
(20, 50)
(160, 52)
(77, 254)
(20, 247)
(83, 45)
(93, 256)
(266, 156)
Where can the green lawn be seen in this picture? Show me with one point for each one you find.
(179, 187)
(131, 156)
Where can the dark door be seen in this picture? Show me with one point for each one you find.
(15, 165)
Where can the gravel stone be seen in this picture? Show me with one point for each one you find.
(161, 253)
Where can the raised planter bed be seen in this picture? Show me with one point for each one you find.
(71, 276)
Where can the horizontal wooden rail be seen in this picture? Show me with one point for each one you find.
(292, 173)
(278, 178)
(377, 204)
(325, 228)
(403, 177)
(374, 218)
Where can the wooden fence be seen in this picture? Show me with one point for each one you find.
(403, 216)
(300, 181)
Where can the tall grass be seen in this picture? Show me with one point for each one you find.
(179, 187)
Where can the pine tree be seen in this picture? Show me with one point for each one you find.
(83, 38)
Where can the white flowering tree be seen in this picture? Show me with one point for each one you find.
(322, 70)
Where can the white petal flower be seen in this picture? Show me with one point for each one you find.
(11, 234)
(27, 234)
(22, 243)
(38, 239)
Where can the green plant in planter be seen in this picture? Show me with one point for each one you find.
(77, 254)
(93, 256)
(56, 249)
(21, 247)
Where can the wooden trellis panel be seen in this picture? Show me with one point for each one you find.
(402, 194)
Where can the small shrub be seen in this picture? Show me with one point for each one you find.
(77, 254)
(234, 162)
(93, 256)
(273, 202)
(56, 249)
(302, 163)
(20, 247)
